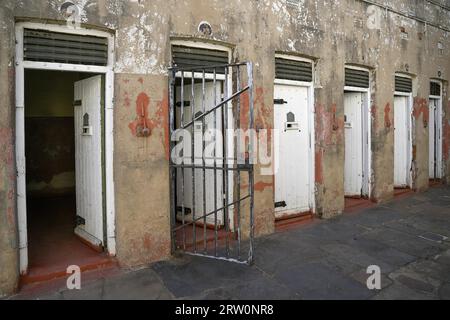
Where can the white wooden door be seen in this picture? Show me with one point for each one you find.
(88, 159)
(401, 141)
(435, 139)
(353, 173)
(432, 139)
(292, 182)
(212, 121)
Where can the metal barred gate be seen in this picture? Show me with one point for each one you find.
(211, 160)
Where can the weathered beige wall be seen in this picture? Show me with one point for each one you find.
(9, 270)
(331, 32)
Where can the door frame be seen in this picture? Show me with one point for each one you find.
(440, 122)
(20, 68)
(366, 128)
(227, 88)
(311, 123)
(409, 126)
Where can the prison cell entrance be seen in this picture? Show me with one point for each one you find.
(293, 119)
(435, 131)
(402, 132)
(211, 168)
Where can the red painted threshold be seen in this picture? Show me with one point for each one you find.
(402, 192)
(103, 262)
(357, 204)
(435, 182)
(293, 221)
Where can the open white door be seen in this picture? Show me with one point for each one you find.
(185, 182)
(88, 159)
(292, 182)
(401, 142)
(353, 175)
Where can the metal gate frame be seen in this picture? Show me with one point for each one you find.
(229, 163)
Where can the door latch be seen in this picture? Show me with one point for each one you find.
(280, 204)
(279, 101)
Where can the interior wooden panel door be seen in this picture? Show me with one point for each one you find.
(401, 140)
(88, 159)
(292, 183)
(213, 121)
(353, 172)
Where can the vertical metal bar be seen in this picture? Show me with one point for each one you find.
(215, 164)
(238, 147)
(226, 208)
(251, 151)
(171, 166)
(203, 164)
(183, 206)
(194, 236)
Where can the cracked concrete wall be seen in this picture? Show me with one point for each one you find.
(332, 33)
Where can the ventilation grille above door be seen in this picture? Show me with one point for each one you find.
(403, 84)
(356, 78)
(46, 46)
(188, 57)
(435, 89)
(293, 70)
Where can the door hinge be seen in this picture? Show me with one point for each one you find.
(77, 103)
(185, 104)
(80, 221)
(279, 101)
(280, 204)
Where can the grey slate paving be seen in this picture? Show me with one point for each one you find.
(327, 260)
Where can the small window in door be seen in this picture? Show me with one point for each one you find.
(87, 129)
(290, 117)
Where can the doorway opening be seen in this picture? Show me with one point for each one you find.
(357, 117)
(294, 150)
(65, 171)
(64, 155)
(402, 134)
(435, 133)
(211, 172)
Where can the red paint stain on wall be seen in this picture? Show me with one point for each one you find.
(328, 126)
(144, 125)
(261, 186)
(446, 137)
(329, 131)
(421, 107)
(126, 99)
(10, 217)
(318, 165)
(245, 108)
(373, 112)
(387, 118)
(140, 127)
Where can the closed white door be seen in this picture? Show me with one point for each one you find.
(353, 172)
(292, 182)
(204, 200)
(88, 159)
(435, 139)
(432, 139)
(401, 141)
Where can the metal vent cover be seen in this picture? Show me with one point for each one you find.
(403, 84)
(357, 78)
(435, 89)
(189, 57)
(48, 46)
(286, 69)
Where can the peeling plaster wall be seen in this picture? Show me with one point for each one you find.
(332, 32)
